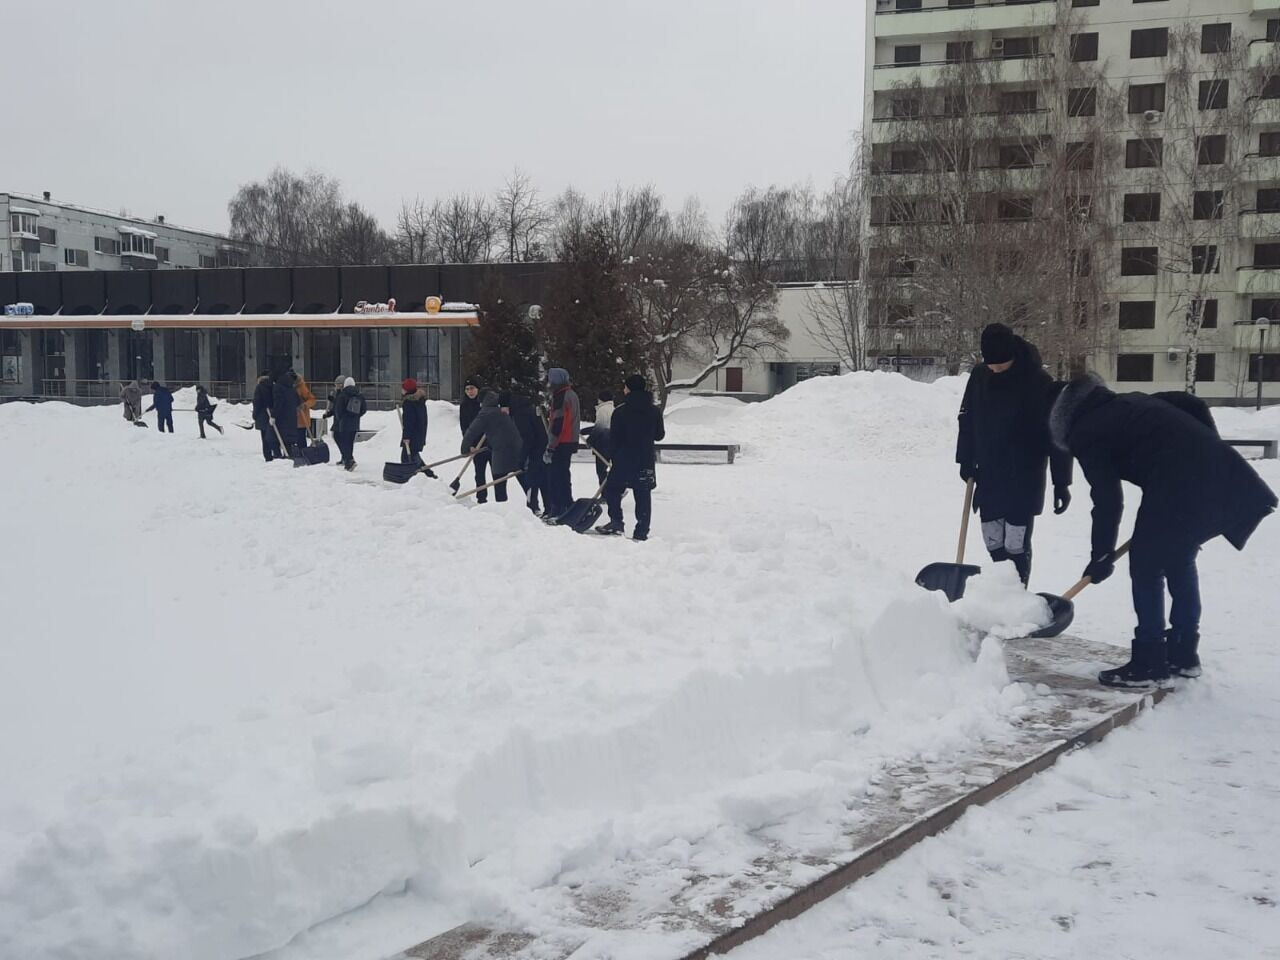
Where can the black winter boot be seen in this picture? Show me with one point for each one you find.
(1181, 653)
(1147, 666)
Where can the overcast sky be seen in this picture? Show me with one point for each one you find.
(166, 106)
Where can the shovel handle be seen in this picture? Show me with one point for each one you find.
(486, 486)
(964, 520)
(1085, 581)
(471, 456)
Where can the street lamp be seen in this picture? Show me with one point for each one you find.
(1243, 329)
(898, 339)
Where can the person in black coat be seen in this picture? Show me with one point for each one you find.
(204, 411)
(162, 404)
(284, 408)
(349, 407)
(533, 441)
(468, 410)
(262, 401)
(501, 436)
(1194, 487)
(634, 429)
(413, 424)
(1004, 445)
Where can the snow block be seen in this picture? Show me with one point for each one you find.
(711, 914)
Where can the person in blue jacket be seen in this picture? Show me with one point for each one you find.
(162, 404)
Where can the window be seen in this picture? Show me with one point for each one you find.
(1081, 263)
(959, 51)
(1215, 38)
(47, 266)
(424, 355)
(137, 245)
(1269, 144)
(48, 236)
(1211, 150)
(906, 5)
(1207, 205)
(906, 161)
(1146, 96)
(1144, 153)
(75, 258)
(1137, 314)
(1271, 87)
(1264, 309)
(1136, 367)
(1270, 367)
(1082, 102)
(1014, 208)
(1018, 101)
(1084, 3)
(899, 313)
(23, 223)
(1206, 367)
(377, 354)
(1273, 31)
(106, 245)
(1266, 255)
(10, 357)
(952, 158)
(1017, 156)
(1139, 261)
(1021, 48)
(905, 108)
(25, 261)
(1205, 259)
(955, 105)
(959, 4)
(906, 56)
(1149, 43)
(1084, 47)
(1079, 156)
(162, 254)
(903, 211)
(208, 262)
(1141, 207)
(1268, 200)
(1208, 310)
(1213, 94)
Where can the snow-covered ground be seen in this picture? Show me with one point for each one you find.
(253, 710)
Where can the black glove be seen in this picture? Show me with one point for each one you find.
(1100, 568)
(968, 472)
(1061, 499)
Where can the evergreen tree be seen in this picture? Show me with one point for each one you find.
(503, 350)
(588, 326)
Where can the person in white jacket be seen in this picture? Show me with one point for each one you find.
(598, 438)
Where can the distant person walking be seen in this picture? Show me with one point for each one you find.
(262, 400)
(501, 437)
(636, 427)
(204, 411)
(349, 407)
(563, 425)
(413, 423)
(162, 404)
(131, 397)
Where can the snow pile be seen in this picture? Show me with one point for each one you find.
(1240, 423)
(247, 699)
(995, 604)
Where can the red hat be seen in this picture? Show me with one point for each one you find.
(410, 385)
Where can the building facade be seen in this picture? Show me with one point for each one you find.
(1182, 95)
(43, 234)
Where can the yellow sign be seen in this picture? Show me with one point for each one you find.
(433, 304)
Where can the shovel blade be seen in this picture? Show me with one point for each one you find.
(400, 472)
(1063, 612)
(949, 578)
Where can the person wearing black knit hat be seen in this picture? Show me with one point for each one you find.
(468, 410)
(635, 427)
(1004, 447)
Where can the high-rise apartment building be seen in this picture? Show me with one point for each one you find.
(1121, 160)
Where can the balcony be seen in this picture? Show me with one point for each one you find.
(1260, 224)
(1258, 281)
(1260, 169)
(888, 76)
(938, 16)
(1263, 7)
(1262, 51)
(1263, 110)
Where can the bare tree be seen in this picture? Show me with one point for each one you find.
(837, 307)
(466, 228)
(416, 233)
(523, 217)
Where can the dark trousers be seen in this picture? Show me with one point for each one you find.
(270, 445)
(500, 491)
(533, 481)
(560, 480)
(614, 489)
(412, 454)
(481, 464)
(1149, 575)
(202, 419)
(164, 420)
(346, 441)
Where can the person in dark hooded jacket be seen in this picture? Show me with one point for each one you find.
(1194, 487)
(1004, 445)
(284, 408)
(204, 411)
(635, 427)
(533, 441)
(501, 437)
(468, 410)
(349, 407)
(162, 404)
(262, 400)
(413, 424)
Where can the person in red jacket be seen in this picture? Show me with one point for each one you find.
(562, 441)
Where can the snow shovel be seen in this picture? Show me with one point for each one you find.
(404, 472)
(950, 578)
(486, 486)
(583, 512)
(457, 481)
(1062, 608)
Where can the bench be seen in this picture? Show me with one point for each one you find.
(1270, 448)
(730, 450)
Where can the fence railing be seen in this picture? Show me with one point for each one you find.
(381, 395)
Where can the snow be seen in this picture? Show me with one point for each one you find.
(304, 714)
